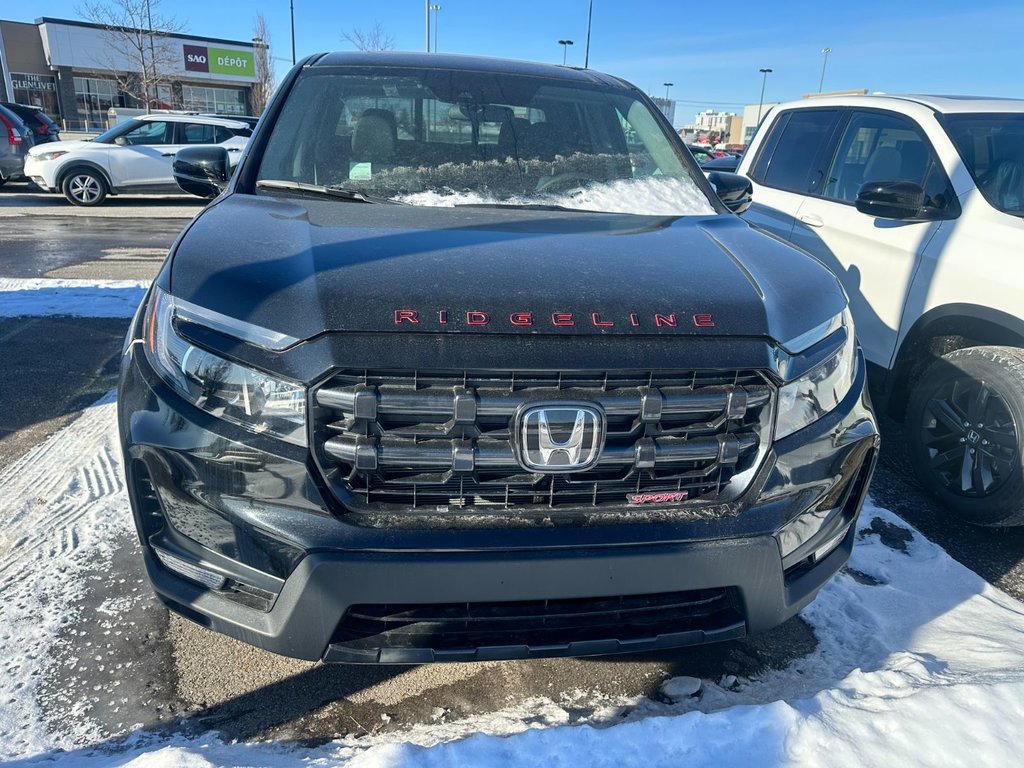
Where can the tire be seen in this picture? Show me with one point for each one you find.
(84, 187)
(965, 429)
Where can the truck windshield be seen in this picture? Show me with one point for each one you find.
(992, 147)
(447, 137)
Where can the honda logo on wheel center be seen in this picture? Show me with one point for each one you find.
(560, 437)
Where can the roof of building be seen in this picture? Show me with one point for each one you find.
(176, 35)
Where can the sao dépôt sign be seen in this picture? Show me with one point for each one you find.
(220, 61)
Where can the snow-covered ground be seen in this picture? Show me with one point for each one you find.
(33, 297)
(919, 661)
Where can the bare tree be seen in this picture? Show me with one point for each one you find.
(374, 40)
(140, 53)
(264, 64)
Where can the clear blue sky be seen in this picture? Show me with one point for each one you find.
(713, 57)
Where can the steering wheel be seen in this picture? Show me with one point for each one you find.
(561, 181)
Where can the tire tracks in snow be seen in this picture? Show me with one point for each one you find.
(65, 515)
(46, 492)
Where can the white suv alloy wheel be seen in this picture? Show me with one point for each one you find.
(84, 188)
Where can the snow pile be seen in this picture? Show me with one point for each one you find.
(34, 297)
(652, 196)
(64, 509)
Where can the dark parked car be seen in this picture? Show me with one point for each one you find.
(44, 128)
(701, 152)
(15, 139)
(467, 360)
(729, 163)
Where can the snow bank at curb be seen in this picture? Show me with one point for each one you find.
(36, 297)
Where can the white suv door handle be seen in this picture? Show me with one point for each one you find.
(812, 220)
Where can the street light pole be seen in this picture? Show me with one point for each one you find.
(667, 86)
(291, 10)
(435, 9)
(565, 48)
(590, 19)
(821, 82)
(152, 56)
(764, 80)
(426, 12)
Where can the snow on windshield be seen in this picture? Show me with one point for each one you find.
(653, 196)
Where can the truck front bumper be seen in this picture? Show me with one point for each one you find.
(284, 569)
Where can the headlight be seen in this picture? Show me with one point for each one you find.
(227, 390)
(807, 399)
(50, 155)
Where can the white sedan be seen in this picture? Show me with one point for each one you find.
(132, 157)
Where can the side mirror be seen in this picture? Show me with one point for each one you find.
(121, 141)
(202, 171)
(735, 191)
(901, 200)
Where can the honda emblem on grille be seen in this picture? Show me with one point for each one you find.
(560, 437)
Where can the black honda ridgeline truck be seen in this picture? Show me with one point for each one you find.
(467, 361)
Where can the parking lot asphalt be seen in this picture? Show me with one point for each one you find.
(127, 238)
(184, 673)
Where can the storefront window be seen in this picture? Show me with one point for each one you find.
(36, 90)
(93, 98)
(221, 101)
(164, 97)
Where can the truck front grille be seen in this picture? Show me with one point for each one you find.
(441, 441)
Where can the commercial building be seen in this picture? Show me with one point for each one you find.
(752, 116)
(710, 121)
(76, 71)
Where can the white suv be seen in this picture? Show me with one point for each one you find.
(917, 204)
(132, 157)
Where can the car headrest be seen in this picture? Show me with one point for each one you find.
(375, 136)
(885, 164)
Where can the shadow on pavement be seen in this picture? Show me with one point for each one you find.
(54, 367)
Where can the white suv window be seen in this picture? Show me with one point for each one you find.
(150, 132)
(788, 156)
(992, 148)
(878, 146)
(202, 133)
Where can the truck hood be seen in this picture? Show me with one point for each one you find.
(303, 267)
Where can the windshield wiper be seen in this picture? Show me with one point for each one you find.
(318, 189)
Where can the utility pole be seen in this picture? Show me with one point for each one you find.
(590, 19)
(821, 82)
(152, 56)
(764, 72)
(291, 10)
